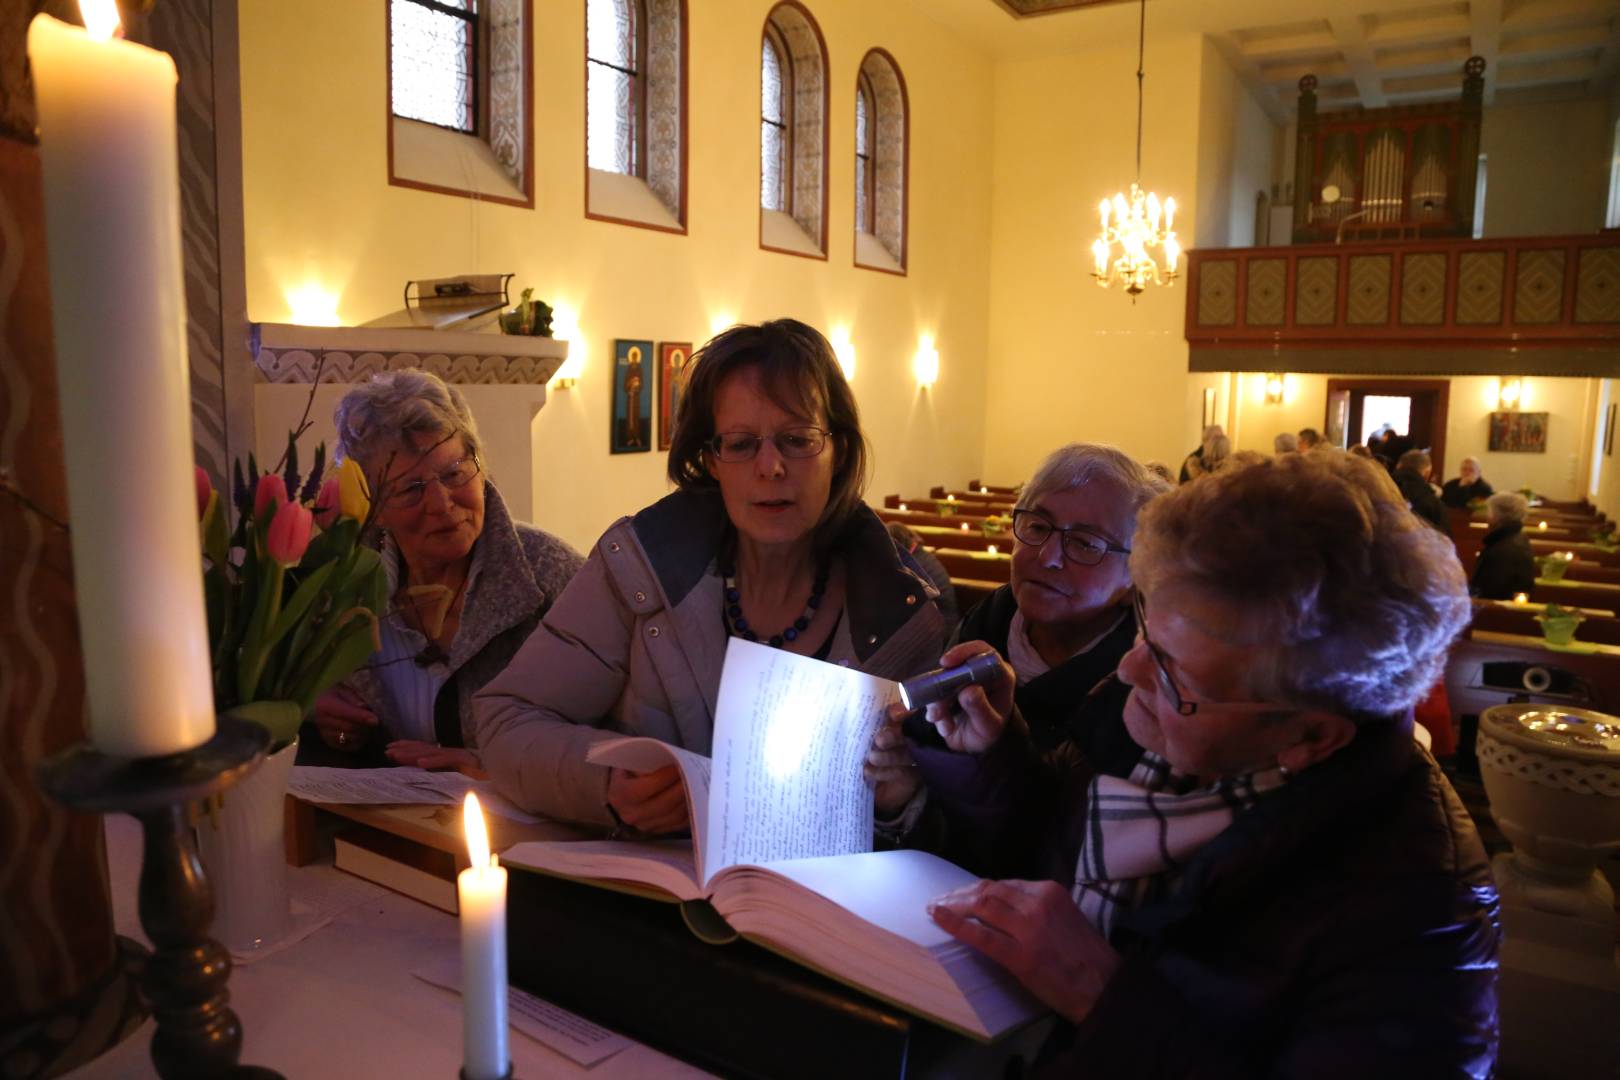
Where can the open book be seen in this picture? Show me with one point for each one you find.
(782, 843)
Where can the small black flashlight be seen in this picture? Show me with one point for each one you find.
(937, 685)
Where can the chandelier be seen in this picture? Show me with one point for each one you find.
(1132, 227)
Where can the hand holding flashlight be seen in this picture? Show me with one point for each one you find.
(969, 700)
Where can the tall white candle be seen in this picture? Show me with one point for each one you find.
(112, 218)
(481, 888)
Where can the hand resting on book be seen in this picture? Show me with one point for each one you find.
(1035, 931)
(652, 803)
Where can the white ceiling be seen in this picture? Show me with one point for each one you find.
(1363, 52)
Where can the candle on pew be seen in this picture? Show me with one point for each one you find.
(109, 156)
(481, 889)
(903, 506)
(1521, 598)
(992, 550)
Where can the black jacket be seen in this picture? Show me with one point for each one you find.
(1506, 565)
(1049, 703)
(1457, 494)
(1344, 927)
(1424, 502)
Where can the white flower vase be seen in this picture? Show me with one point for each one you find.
(243, 850)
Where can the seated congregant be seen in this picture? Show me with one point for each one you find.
(1309, 439)
(1066, 619)
(1506, 564)
(765, 538)
(1468, 488)
(1193, 465)
(1255, 871)
(1210, 457)
(1412, 471)
(1286, 442)
(467, 582)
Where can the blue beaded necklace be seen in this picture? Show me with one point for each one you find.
(739, 625)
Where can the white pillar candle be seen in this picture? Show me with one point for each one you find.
(112, 219)
(481, 888)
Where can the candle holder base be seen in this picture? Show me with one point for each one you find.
(511, 1071)
(184, 979)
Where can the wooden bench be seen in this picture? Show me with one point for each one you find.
(1510, 619)
(1577, 594)
(995, 489)
(975, 566)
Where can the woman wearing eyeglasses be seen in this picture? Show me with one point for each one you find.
(468, 583)
(1255, 871)
(765, 538)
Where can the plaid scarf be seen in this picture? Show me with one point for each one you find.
(1140, 832)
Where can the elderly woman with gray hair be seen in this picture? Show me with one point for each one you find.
(468, 583)
(1256, 870)
(1506, 564)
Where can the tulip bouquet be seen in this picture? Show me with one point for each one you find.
(293, 594)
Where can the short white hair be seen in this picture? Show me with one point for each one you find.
(385, 411)
(1507, 507)
(1285, 443)
(1081, 463)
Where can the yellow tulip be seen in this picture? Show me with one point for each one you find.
(354, 494)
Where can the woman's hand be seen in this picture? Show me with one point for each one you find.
(1035, 931)
(651, 803)
(426, 755)
(889, 768)
(973, 721)
(344, 720)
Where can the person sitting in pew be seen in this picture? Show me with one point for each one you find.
(1065, 619)
(1412, 471)
(765, 538)
(1506, 565)
(1255, 871)
(1470, 487)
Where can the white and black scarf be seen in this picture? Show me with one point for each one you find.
(1140, 832)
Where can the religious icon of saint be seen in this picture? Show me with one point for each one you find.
(632, 395)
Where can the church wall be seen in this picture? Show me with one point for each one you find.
(1547, 168)
(1606, 495)
(320, 213)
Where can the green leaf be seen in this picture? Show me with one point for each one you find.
(215, 538)
(297, 605)
(250, 663)
(331, 544)
(279, 718)
(354, 646)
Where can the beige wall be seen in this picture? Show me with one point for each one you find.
(1605, 495)
(1547, 168)
(320, 213)
(1560, 473)
(1236, 146)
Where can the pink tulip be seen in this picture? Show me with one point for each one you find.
(205, 491)
(289, 534)
(270, 492)
(328, 504)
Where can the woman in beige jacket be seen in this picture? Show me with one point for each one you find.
(765, 538)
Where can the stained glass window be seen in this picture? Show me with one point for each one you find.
(613, 105)
(773, 140)
(863, 158)
(434, 50)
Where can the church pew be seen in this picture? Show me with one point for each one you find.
(1584, 552)
(927, 504)
(969, 591)
(1488, 668)
(1577, 594)
(995, 489)
(975, 565)
(1507, 620)
(938, 536)
(1581, 570)
(939, 491)
(974, 523)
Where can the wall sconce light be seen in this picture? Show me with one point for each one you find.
(1275, 385)
(312, 305)
(565, 328)
(925, 365)
(844, 349)
(724, 320)
(1509, 392)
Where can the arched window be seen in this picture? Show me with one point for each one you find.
(635, 112)
(793, 133)
(881, 136)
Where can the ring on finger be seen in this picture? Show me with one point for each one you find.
(343, 738)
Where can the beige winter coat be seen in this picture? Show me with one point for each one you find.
(635, 645)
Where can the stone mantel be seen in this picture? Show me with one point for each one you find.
(503, 377)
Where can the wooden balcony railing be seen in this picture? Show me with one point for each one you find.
(1526, 304)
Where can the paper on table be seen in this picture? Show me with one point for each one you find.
(400, 785)
(570, 1034)
(790, 736)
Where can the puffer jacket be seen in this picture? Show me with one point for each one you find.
(1346, 926)
(635, 644)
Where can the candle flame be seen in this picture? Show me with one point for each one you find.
(101, 19)
(477, 835)
(1520, 598)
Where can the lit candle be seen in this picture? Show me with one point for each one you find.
(964, 526)
(950, 498)
(1543, 525)
(1521, 598)
(903, 506)
(992, 549)
(112, 223)
(481, 888)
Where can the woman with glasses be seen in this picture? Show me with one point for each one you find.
(1255, 870)
(468, 583)
(765, 538)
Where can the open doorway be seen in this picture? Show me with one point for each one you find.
(1414, 408)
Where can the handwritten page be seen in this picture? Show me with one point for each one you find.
(570, 1034)
(643, 755)
(402, 785)
(791, 733)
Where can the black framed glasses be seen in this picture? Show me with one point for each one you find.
(1168, 684)
(459, 475)
(797, 442)
(1078, 545)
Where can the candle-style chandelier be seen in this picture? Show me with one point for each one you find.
(1133, 226)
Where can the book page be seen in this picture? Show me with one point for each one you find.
(400, 785)
(640, 754)
(790, 736)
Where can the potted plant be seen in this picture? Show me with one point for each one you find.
(531, 317)
(1553, 566)
(1558, 624)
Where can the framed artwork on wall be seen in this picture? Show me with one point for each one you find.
(1608, 432)
(1519, 432)
(673, 359)
(630, 428)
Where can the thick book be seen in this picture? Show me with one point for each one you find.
(397, 863)
(781, 845)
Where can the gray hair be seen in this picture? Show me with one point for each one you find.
(1081, 463)
(1474, 461)
(1416, 460)
(382, 414)
(1285, 443)
(1217, 449)
(1507, 506)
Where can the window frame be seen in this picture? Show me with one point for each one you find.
(644, 152)
(790, 91)
(478, 61)
(480, 107)
(905, 166)
(638, 86)
(866, 156)
(771, 38)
